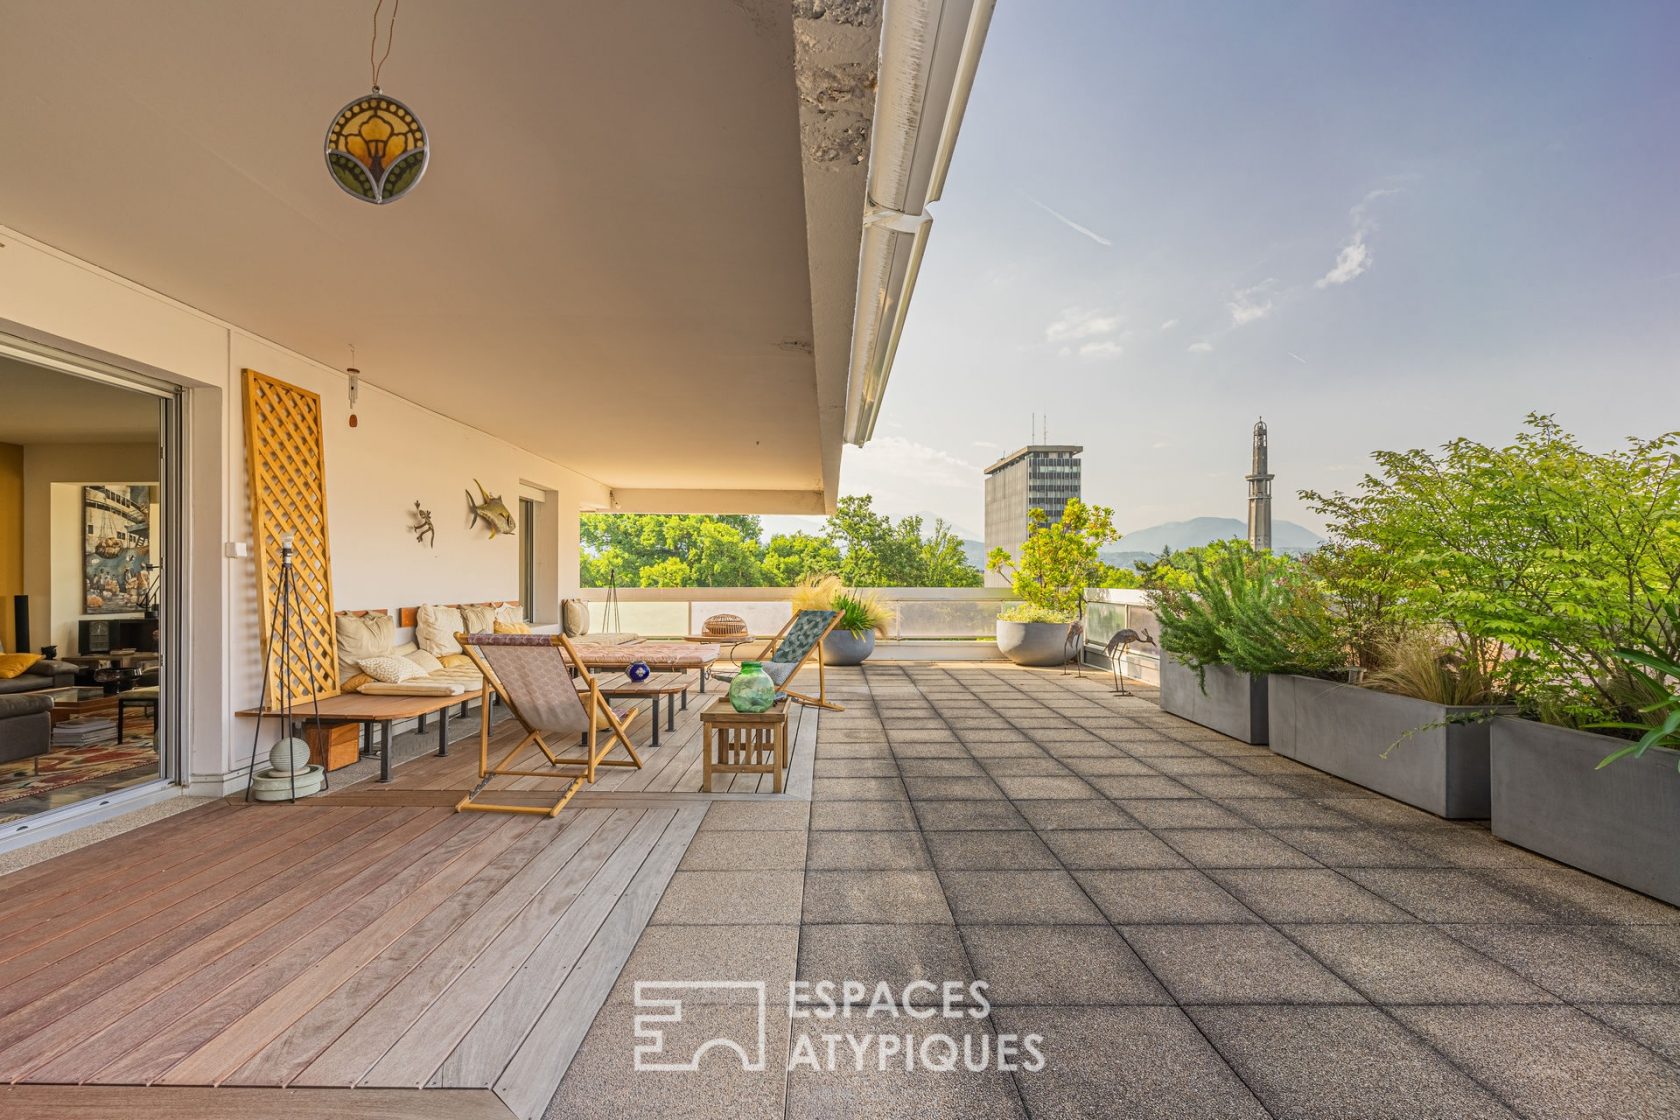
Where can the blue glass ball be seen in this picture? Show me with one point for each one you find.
(638, 671)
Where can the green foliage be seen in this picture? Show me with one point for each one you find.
(1254, 611)
(1170, 571)
(1031, 612)
(1059, 558)
(792, 558)
(1540, 560)
(858, 545)
(878, 552)
(1661, 727)
(861, 612)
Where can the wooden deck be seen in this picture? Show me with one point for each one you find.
(368, 938)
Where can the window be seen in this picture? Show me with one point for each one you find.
(528, 559)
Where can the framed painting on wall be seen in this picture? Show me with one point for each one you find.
(117, 549)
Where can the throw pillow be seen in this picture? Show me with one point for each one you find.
(391, 670)
(355, 683)
(428, 662)
(435, 629)
(574, 615)
(363, 635)
(456, 661)
(512, 627)
(14, 664)
(479, 617)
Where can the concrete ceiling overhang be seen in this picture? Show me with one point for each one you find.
(634, 252)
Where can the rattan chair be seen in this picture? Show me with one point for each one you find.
(534, 676)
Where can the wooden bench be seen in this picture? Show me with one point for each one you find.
(668, 685)
(371, 712)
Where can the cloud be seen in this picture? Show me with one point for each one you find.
(1354, 258)
(1251, 304)
(1200, 348)
(1081, 322)
(1169, 324)
(1102, 348)
(1296, 356)
(1069, 222)
(986, 444)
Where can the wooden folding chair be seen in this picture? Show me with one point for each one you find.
(532, 673)
(787, 652)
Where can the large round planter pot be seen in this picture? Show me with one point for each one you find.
(842, 647)
(1034, 643)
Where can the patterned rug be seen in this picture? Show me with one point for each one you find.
(30, 777)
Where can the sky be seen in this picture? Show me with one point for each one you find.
(1379, 225)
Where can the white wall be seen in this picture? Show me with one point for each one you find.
(399, 452)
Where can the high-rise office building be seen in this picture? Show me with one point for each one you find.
(1260, 494)
(1039, 476)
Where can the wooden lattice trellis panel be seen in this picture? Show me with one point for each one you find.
(288, 476)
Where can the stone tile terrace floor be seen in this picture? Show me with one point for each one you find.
(1196, 927)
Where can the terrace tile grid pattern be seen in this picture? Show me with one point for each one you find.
(1197, 927)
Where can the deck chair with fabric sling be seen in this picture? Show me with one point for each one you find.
(787, 652)
(533, 675)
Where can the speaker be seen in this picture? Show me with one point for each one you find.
(20, 622)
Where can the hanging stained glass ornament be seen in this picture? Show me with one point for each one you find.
(376, 148)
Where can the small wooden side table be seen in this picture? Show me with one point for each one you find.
(743, 742)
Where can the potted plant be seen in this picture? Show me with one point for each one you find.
(1058, 561)
(1416, 729)
(1236, 616)
(862, 617)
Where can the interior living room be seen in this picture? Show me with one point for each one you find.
(82, 595)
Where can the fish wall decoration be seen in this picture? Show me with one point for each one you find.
(492, 510)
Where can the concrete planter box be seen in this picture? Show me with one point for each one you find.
(1618, 823)
(842, 647)
(1233, 703)
(1034, 643)
(1344, 730)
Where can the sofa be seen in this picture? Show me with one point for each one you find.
(25, 726)
(38, 677)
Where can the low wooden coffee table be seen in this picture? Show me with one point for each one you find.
(668, 685)
(743, 742)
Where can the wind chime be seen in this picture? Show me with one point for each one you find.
(376, 148)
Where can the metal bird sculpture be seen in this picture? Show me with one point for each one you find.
(491, 509)
(1116, 651)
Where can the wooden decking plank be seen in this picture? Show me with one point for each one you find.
(23, 988)
(533, 1075)
(196, 1017)
(304, 1037)
(48, 875)
(120, 911)
(484, 1051)
(80, 1102)
(470, 983)
(427, 913)
(212, 960)
(65, 1008)
(74, 879)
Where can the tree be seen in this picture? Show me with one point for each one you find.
(791, 558)
(707, 545)
(1059, 559)
(878, 552)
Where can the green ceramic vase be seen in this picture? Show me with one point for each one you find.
(753, 690)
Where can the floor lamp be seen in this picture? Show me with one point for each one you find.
(280, 639)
